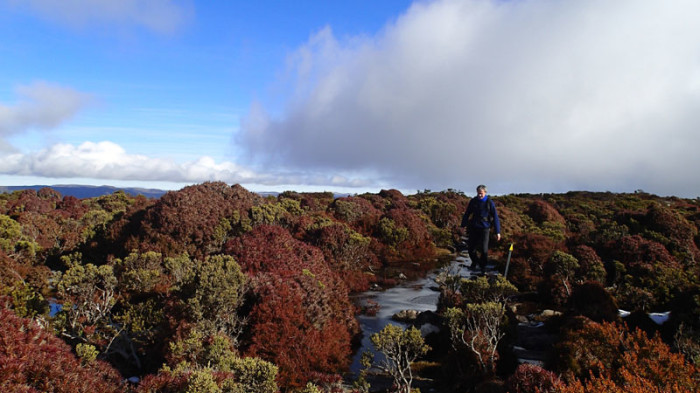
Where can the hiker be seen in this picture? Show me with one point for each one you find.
(479, 218)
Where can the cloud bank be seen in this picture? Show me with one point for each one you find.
(109, 161)
(43, 106)
(526, 96)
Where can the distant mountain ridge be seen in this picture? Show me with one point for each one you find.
(86, 191)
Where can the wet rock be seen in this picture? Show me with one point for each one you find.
(534, 343)
(428, 328)
(544, 315)
(427, 317)
(408, 316)
(417, 318)
(440, 278)
(522, 319)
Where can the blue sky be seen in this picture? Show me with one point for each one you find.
(352, 96)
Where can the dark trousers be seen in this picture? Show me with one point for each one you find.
(479, 247)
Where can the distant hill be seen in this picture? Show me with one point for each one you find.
(85, 191)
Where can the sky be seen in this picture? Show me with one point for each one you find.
(525, 96)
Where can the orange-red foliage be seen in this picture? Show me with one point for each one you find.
(301, 317)
(607, 354)
(529, 378)
(418, 244)
(34, 360)
(298, 306)
(589, 263)
(172, 382)
(349, 258)
(527, 264)
(591, 300)
(636, 252)
(47, 219)
(186, 220)
(395, 197)
(287, 331)
(540, 211)
(358, 212)
(678, 229)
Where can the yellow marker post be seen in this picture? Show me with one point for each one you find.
(510, 251)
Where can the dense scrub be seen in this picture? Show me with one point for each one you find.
(182, 290)
(215, 288)
(580, 258)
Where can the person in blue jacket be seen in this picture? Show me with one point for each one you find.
(479, 218)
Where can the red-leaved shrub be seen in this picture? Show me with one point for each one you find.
(34, 360)
(301, 316)
(529, 378)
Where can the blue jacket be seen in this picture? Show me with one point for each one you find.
(481, 214)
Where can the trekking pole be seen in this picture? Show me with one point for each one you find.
(510, 251)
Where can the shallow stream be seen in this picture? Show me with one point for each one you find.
(420, 295)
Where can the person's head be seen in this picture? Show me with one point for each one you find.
(481, 191)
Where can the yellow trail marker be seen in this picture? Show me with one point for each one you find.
(510, 251)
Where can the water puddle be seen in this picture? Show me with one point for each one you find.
(420, 295)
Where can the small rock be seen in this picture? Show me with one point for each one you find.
(427, 317)
(549, 313)
(522, 319)
(405, 316)
(428, 328)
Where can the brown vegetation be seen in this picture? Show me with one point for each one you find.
(215, 286)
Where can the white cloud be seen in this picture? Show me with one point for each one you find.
(526, 96)
(42, 106)
(162, 16)
(109, 161)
